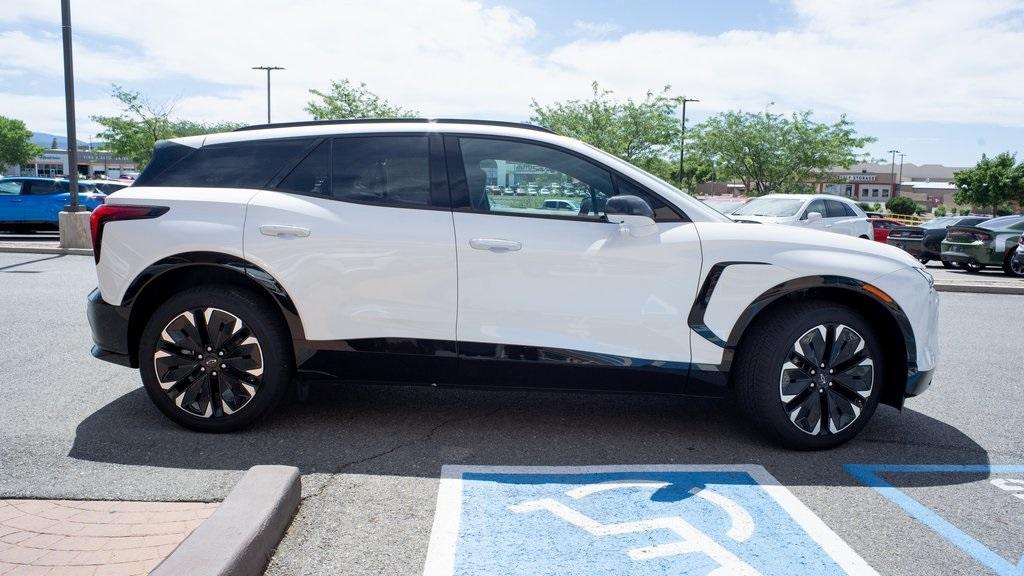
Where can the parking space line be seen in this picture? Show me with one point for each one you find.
(869, 475)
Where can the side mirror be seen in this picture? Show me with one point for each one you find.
(813, 216)
(633, 215)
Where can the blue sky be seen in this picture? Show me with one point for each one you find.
(936, 79)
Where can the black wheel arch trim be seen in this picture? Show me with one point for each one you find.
(797, 285)
(235, 264)
(696, 320)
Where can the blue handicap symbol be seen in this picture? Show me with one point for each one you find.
(690, 520)
(869, 475)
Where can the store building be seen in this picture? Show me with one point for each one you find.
(91, 164)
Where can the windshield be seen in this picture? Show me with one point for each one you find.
(939, 223)
(770, 207)
(1001, 222)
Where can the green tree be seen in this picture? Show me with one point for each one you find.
(773, 152)
(991, 182)
(16, 145)
(346, 100)
(644, 133)
(142, 123)
(901, 205)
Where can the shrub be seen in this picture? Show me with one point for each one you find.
(901, 205)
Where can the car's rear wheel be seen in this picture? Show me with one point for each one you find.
(948, 264)
(923, 260)
(809, 375)
(1013, 267)
(213, 358)
(972, 267)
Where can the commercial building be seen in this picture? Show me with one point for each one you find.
(91, 164)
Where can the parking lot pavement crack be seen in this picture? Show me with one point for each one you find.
(425, 437)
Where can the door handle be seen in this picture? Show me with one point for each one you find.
(495, 244)
(284, 231)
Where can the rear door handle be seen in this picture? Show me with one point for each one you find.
(495, 244)
(283, 231)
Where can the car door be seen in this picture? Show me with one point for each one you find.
(569, 300)
(360, 236)
(836, 218)
(11, 202)
(43, 200)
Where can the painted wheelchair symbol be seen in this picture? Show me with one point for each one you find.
(691, 540)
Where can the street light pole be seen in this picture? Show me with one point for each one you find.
(682, 142)
(901, 168)
(69, 106)
(268, 69)
(892, 172)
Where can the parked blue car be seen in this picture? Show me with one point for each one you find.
(33, 203)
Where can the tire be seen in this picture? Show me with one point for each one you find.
(948, 264)
(252, 376)
(923, 261)
(971, 267)
(1011, 269)
(778, 395)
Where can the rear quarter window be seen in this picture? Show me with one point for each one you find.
(250, 164)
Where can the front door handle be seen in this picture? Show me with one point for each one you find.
(495, 244)
(284, 231)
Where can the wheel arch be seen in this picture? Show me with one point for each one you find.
(160, 280)
(884, 314)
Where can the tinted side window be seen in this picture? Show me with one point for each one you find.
(389, 170)
(835, 209)
(236, 165)
(42, 188)
(313, 174)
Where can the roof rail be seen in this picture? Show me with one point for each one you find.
(396, 121)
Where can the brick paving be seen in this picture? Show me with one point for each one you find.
(92, 538)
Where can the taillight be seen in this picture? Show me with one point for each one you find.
(111, 212)
(981, 236)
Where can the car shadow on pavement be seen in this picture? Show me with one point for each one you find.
(413, 431)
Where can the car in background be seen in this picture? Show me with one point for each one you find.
(924, 241)
(560, 205)
(725, 204)
(880, 228)
(815, 211)
(1017, 260)
(990, 243)
(108, 187)
(32, 203)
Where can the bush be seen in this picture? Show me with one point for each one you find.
(876, 207)
(866, 207)
(940, 211)
(901, 205)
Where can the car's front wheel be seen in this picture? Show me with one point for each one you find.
(809, 375)
(972, 267)
(214, 359)
(1013, 266)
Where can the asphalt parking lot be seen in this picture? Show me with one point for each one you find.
(371, 457)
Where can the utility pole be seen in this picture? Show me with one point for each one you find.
(901, 170)
(268, 69)
(892, 173)
(682, 142)
(69, 106)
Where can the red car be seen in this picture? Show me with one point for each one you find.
(881, 227)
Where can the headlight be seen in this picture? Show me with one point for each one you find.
(927, 276)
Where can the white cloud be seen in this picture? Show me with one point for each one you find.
(589, 29)
(878, 60)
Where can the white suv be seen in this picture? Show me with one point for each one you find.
(818, 211)
(243, 264)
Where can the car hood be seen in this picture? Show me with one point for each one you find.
(805, 251)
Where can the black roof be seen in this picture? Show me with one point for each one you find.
(396, 121)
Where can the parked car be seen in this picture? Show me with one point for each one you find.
(725, 204)
(109, 186)
(32, 203)
(560, 205)
(1017, 261)
(990, 243)
(924, 241)
(342, 250)
(880, 228)
(817, 211)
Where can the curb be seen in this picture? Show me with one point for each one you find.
(980, 288)
(241, 536)
(46, 250)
